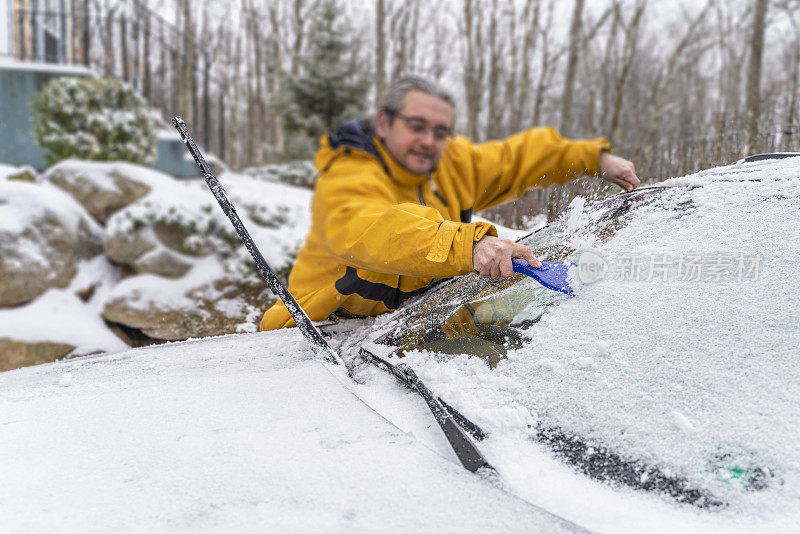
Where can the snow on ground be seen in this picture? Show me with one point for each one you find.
(148, 290)
(241, 433)
(289, 205)
(59, 315)
(276, 216)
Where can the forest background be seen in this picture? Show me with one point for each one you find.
(676, 85)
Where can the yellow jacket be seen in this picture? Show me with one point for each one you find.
(380, 234)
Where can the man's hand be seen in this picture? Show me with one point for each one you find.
(618, 171)
(491, 256)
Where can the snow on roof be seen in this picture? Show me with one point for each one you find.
(7, 63)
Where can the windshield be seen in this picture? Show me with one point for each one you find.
(484, 317)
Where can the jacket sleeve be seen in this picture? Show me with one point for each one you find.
(364, 228)
(533, 159)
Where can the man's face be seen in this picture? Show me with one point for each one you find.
(412, 138)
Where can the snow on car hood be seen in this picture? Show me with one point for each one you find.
(244, 433)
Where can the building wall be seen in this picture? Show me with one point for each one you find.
(18, 82)
(22, 75)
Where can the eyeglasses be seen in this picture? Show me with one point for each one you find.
(420, 127)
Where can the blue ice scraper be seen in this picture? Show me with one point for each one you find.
(552, 274)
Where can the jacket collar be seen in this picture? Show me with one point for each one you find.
(396, 171)
(358, 134)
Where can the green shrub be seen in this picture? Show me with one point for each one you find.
(93, 119)
(302, 173)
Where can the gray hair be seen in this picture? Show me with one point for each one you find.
(395, 96)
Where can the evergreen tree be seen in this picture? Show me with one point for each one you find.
(330, 86)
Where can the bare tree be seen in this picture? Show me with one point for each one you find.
(249, 90)
(686, 52)
(579, 38)
(473, 65)
(380, 49)
(273, 75)
(234, 126)
(298, 23)
(403, 34)
(522, 85)
(185, 61)
(572, 66)
(495, 45)
(753, 89)
(731, 57)
(549, 59)
(438, 66)
(629, 49)
(792, 58)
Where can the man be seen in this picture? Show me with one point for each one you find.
(392, 208)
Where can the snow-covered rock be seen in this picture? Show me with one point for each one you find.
(101, 188)
(44, 233)
(177, 267)
(61, 322)
(203, 303)
(178, 232)
(22, 174)
(162, 233)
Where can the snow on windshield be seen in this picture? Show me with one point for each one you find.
(684, 355)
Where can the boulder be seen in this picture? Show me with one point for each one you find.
(162, 262)
(102, 189)
(126, 248)
(43, 235)
(165, 232)
(183, 238)
(145, 241)
(24, 174)
(14, 354)
(219, 307)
